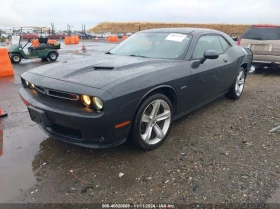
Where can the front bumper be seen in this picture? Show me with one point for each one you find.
(93, 130)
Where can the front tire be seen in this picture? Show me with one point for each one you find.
(15, 58)
(52, 56)
(237, 87)
(152, 122)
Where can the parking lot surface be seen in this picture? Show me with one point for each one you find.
(220, 153)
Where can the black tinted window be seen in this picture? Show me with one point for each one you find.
(262, 33)
(208, 42)
(224, 43)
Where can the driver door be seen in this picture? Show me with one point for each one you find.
(205, 77)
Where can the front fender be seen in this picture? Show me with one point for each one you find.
(153, 90)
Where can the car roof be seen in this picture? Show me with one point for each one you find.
(181, 30)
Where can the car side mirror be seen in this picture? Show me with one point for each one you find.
(209, 54)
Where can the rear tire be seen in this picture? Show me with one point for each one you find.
(152, 122)
(52, 56)
(15, 58)
(237, 87)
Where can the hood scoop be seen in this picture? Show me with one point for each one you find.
(103, 68)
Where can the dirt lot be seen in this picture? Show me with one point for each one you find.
(221, 153)
(232, 29)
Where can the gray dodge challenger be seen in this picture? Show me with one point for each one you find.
(137, 89)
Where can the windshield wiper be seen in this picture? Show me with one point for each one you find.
(109, 53)
(134, 55)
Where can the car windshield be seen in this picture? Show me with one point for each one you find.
(262, 33)
(154, 45)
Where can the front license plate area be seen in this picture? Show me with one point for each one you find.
(38, 116)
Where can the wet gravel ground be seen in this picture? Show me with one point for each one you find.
(221, 153)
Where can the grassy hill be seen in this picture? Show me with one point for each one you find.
(119, 27)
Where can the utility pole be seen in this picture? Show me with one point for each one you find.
(53, 28)
(83, 28)
(68, 30)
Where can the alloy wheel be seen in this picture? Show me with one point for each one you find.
(155, 122)
(240, 81)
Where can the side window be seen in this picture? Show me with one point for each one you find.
(224, 43)
(208, 42)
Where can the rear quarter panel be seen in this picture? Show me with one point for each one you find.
(243, 56)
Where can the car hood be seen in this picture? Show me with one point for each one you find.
(100, 70)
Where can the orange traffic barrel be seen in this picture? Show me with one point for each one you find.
(51, 41)
(124, 37)
(77, 39)
(67, 40)
(2, 114)
(6, 68)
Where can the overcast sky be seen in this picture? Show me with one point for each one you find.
(92, 12)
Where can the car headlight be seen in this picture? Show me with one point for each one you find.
(97, 103)
(86, 100)
(27, 83)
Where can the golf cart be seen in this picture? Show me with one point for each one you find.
(44, 51)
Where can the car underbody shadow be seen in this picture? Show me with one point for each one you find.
(266, 71)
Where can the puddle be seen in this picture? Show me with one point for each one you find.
(18, 146)
(19, 139)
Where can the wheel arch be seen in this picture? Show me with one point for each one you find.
(244, 65)
(166, 90)
(52, 52)
(17, 53)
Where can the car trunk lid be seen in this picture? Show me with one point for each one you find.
(262, 39)
(270, 47)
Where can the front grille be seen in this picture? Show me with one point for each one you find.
(55, 93)
(62, 95)
(52, 92)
